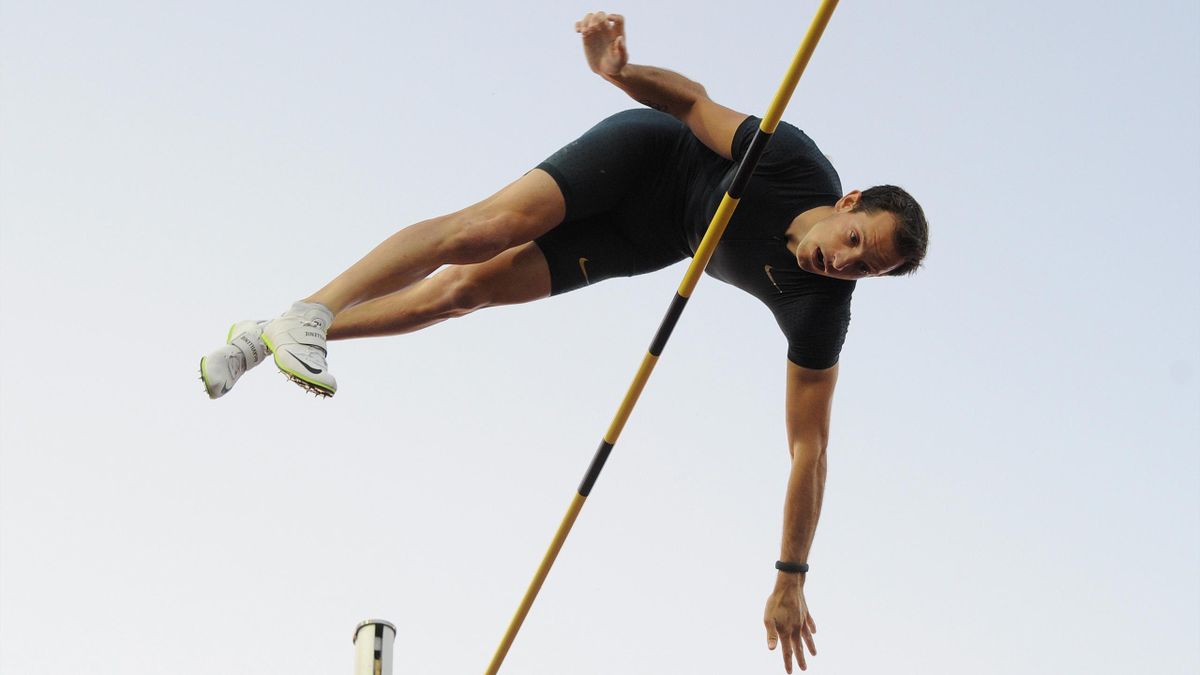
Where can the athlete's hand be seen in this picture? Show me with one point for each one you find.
(603, 42)
(788, 621)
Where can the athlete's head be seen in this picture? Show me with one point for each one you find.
(877, 232)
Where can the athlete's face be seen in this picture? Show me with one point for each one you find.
(850, 245)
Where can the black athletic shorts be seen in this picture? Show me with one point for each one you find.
(623, 214)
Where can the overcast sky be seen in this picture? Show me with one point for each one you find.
(1014, 480)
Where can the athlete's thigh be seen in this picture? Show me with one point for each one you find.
(621, 155)
(583, 252)
(517, 275)
(523, 210)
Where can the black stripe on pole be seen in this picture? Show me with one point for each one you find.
(668, 324)
(749, 161)
(378, 642)
(593, 472)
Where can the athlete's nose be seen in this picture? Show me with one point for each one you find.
(842, 260)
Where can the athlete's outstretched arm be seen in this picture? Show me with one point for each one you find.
(809, 402)
(604, 46)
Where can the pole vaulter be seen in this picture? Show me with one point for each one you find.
(712, 237)
(635, 193)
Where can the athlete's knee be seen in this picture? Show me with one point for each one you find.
(464, 292)
(476, 237)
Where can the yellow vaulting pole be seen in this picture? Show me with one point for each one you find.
(704, 252)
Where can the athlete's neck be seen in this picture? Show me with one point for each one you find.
(803, 223)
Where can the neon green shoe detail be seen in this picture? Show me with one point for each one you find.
(243, 349)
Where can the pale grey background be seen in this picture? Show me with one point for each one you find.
(1014, 470)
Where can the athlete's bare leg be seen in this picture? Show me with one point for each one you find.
(517, 275)
(493, 261)
(517, 214)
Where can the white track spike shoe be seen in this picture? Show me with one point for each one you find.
(297, 338)
(244, 348)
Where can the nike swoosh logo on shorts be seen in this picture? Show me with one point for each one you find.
(767, 269)
(314, 371)
(583, 268)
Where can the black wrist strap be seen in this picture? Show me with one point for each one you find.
(791, 567)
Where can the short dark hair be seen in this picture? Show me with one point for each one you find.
(912, 232)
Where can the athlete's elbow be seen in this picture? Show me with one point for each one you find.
(693, 102)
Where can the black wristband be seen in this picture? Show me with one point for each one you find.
(791, 567)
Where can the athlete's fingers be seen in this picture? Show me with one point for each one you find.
(618, 21)
(787, 651)
(808, 640)
(799, 649)
(618, 47)
(772, 635)
(812, 624)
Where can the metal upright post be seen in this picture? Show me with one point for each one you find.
(373, 641)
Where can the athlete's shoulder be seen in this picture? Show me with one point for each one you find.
(794, 157)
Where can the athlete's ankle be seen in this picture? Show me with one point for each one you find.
(331, 305)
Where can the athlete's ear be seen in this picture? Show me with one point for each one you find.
(849, 201)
